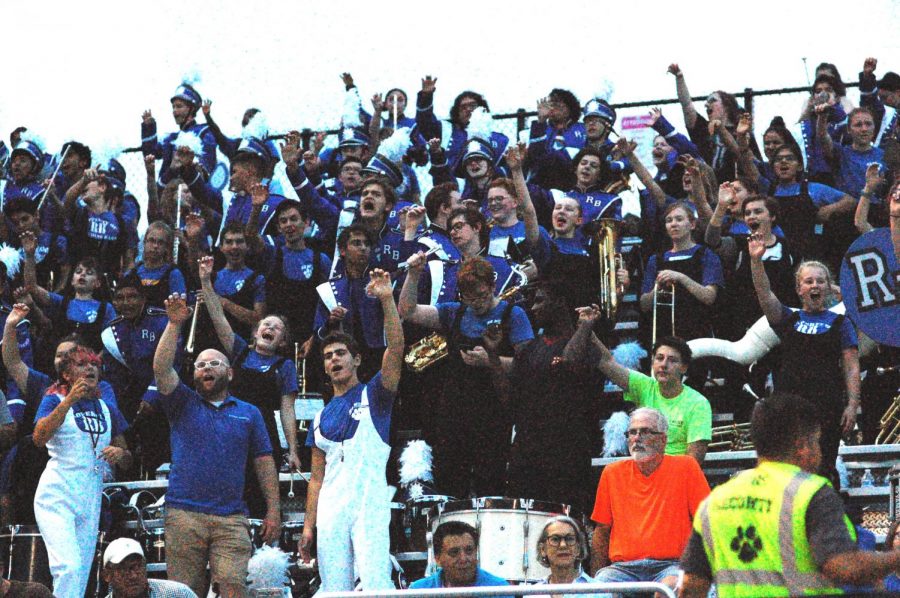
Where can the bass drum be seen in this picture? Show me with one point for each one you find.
(24, 555)
(508, 529)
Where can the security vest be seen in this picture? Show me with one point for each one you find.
(754, 533)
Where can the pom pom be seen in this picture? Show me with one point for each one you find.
(268, 568)
(415, 463)
(102, 153)
(614, 442)
(12, 259)
(395, 147)
(629, 354)
(257, 127)
(33, 137)
(481, 125)
(189, 140)
(352, 105)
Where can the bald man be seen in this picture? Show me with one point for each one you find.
(213, 435)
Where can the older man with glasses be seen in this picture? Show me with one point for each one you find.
(643, 525)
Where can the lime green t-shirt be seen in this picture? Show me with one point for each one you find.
(689, 414)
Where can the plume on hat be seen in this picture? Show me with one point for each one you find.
(351, 108)
(189, 140)
(605, 90)
(395, 147)
(481, 124)
(257, 127)
(11, 258)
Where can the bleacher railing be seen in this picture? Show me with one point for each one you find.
(529, 590)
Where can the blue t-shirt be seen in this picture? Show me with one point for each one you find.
(210, 449)
(712, 267)
(851, 175)
(474, 326)
(577, 245)
(817, 323)
(85, 411)
(36, 387)
(83, 311)
(151, 277)
(336, 422)
(821, 195)
(105, 227)
(286, 374)
(229, 282)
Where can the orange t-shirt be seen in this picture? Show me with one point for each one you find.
(650, 516)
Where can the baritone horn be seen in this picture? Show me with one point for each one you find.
(663, 297)
(433, 348)
(611, 261)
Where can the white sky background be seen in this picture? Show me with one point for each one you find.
(86, 70)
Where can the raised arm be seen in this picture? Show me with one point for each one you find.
(425, 120)
(164, 358)
(15, 367)
(576, 350)
(713, 235)
(768, 302)
(617, 373)
(214, 306)
(77, 188)
(29, 268)
(392, 362)
(822, 136)
(873, 182)
(154, 209)
(684, 96)
(627, 149)
(514, 158)
(409, 308)
(375, 124)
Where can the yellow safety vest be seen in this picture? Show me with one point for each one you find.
(754, 533)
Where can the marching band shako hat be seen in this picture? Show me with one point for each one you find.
(114, 172)
(476, 147)
(186, 92)
(350, 137)
(890, 82)
(252, 149)
(29, 148)
(601, 108)
(379, 164)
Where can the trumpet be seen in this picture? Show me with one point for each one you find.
(663, 297)
(890, 424)
(610, 261)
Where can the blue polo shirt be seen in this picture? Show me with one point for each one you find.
(482, 579)
(210, 447)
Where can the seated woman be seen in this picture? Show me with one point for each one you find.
(470, 425)
(562, 546)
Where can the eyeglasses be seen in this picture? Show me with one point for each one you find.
(458, 551)
(555, 540)
(212, 363)
(635, 432)
(459, 226)
(474, 297)
(786, 158)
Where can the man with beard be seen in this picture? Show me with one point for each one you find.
(125, 571)
(213, 436)
(644, 507)
(552, 402)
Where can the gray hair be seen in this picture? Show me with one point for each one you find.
(579, 533)
(662, 424)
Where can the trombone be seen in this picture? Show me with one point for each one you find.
(663, 297)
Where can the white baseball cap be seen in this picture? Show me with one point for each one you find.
(120, 549)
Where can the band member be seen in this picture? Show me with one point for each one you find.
(348, 500)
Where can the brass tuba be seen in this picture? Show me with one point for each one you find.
(606, 238)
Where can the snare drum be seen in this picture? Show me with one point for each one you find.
(508, 529)
(24, 555)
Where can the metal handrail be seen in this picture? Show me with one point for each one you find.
(523, 590)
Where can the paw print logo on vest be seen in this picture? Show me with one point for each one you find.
(746, 544)
(356, 412)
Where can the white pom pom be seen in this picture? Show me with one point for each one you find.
(268, 568)
(395, 147)
(352, 104)
(257, 127)
(11, 258)
(33, 138)
(105, 151)
(190, 140)
(614, 442)
(415, 463)
(481, 124)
